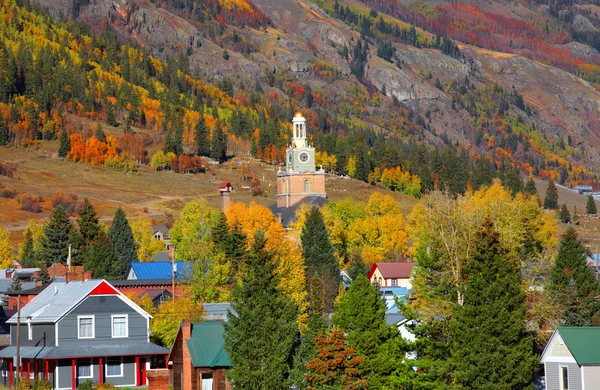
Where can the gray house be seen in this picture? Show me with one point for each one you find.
(572, 359)
(79, 331)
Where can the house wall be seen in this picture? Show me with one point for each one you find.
(102, 307)
(553, 375)
(558, 347)
(591, 377)
(376, 277)
(220, 381)
(42, 335)
(400, 282)
(65, 373)
(290, 188)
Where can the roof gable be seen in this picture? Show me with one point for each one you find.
(159, 270)
(60, 298)
(207, 346)
(395, 270)
(583, 343)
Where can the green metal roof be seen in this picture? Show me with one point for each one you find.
(206, 345)
(583, 342)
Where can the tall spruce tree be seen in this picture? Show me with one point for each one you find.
(123, 242)
(361, 316)
(590, 206)
(15, 285)
(65, 145)
(232, 242)
(57, 231)
(551, 198)
(490, 346)
(29, 258)
(218, 144)
(201, 138)
(100, 134)
(260, 338)
(89, 224)
(564, 216)
(530, 187)
(3, 134)
(43, 276)
(573, 284)
(100, 258)
(322, 267)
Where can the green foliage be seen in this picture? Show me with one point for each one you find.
(89, 224)
(15, 285)
(322, 267)
(28, 256)
(490, 345)
(57, 231)
(361, 316)
(530, 187)
(191, 234)
(573, 284)
(100, 258)
(218, 145)
(551, 198)
(231, 242)
(43, 276)
(590, 206)
(564, 216)
(261, 337)
(65, 145)
(123, 242)
(307, 350)
(201, 138)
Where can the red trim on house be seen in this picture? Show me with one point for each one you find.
(73, 378)
(137, 371)
(21, 368)
(372, 271)
(10, 370)
(104, 289)
(46, 371)
(28, 369)
(100, 367)
(166, 361)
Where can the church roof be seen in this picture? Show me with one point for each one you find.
(298, 115)
(287, 215)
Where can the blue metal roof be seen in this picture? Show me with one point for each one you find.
(161, 270)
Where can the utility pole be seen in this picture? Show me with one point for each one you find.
(173, 270)
(18, 365)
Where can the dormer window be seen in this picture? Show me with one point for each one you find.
(85, 328)
(119, 325)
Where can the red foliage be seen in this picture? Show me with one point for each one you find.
(70, 202)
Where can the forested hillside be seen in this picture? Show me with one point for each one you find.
(379, 104)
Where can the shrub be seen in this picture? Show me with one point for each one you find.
(30, 203)
(70, 203)
(6, 170)
(87, 385)
(6, 192)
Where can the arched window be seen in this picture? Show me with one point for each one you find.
(306, 186)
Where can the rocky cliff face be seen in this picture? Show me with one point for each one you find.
(302, 34)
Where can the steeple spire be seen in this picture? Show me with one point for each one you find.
(299, 131)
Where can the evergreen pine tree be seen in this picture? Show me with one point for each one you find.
(572, 282)
(218, 144)
(575, 217)
(89, 225)
(564, 216)
(123, 242)
(306, 351)
(551, 198)
(322, 267)
(490, 346)
(15, 285)
(590, 206)
(201, 138)
(57, 231)
(65, 145)
(3, 134)
(43, 276)
(99, 258)
(361, 316)
(110, 116)
(261, 336)
(232, 242)
(100, 135)
(178, 139)
(28, 256)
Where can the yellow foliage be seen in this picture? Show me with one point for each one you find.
(6, 249)
(168, 317)
(147, 246)
(37, 234)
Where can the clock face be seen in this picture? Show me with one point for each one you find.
(303, 157)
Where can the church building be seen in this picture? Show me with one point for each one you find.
(300, 182)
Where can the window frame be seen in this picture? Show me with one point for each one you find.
(91, 366)
(561, 375)
(112, 325)
(93, 318)
(120, 367)
(29, 331)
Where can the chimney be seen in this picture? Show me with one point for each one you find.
(225, 190)
(87, 275)
(187, 369)
(69, 277)
(69, 260)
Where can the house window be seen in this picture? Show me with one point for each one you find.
(207, 381)
(564, 378)
(306, 186)
(84, 368)
(394, 282)
(119, 325)
(114, 366)
(85, 328)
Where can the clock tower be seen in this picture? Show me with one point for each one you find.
(300, 179)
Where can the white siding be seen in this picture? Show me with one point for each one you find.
(553, 376)
(591, 377)
(558, 347)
